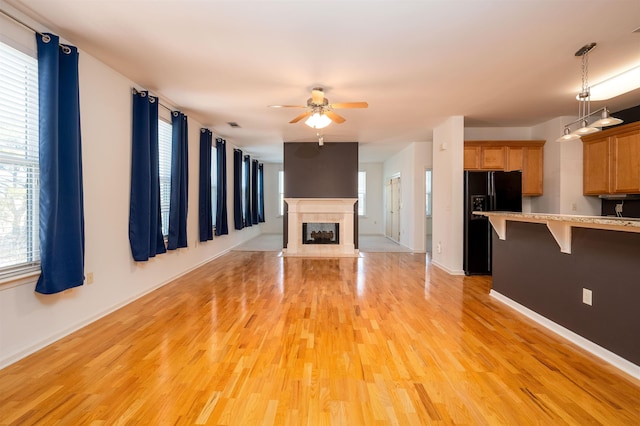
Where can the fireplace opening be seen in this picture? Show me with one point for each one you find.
(320, 233)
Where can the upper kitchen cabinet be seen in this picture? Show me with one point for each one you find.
(526, 156)
(483, 157)
(611, 161)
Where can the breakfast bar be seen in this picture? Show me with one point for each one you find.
(579, 275)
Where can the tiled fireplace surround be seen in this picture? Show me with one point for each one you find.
(320, 210)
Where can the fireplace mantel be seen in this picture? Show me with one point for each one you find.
(321, 210)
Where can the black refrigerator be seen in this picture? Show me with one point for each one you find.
(486, 191)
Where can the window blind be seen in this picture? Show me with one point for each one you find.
(164, 168)
(19, 191)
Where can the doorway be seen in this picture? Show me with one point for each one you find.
(392, 221)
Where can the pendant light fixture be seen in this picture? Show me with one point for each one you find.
(584, 105)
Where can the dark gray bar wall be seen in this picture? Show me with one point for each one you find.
(314, 171)
(529, 269)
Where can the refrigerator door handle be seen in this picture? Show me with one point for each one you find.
(491, 191)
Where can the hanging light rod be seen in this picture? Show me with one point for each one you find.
(584, 104)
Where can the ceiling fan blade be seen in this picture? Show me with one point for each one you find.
(317, 96)
(334, 117)
(287, 106)
(350, 105)
(301, 116)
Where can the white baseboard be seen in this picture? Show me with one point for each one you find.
(447, 270)
(597, 350)
(24, 352)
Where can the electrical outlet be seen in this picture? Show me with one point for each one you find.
(587, 296)
(89, 278)
(619, 209)
(439, 247)
(574, 207)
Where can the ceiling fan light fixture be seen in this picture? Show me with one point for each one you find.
(318, 120)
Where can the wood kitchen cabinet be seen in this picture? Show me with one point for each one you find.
(595, 166)
(526, 156)
(484, 157)
(611, 161)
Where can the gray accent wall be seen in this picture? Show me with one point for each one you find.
(314, 171)
(529, 268)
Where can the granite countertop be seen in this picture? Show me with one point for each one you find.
(577, 219)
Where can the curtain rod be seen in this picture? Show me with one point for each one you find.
(24, 24)
(29, 27)
(134, 91)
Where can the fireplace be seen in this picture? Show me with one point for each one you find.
(331, 220)
(320, 233)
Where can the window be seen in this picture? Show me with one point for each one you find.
(362, 193)
(214, 183)
(19, 168)
(281, 192)
(164, 169)
(427, 186)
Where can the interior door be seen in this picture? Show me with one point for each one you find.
(392, 225)
(388, 210)
(395, 189)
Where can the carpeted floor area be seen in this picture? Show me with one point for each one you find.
(367, 244)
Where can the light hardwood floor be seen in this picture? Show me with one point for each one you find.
(254, 338)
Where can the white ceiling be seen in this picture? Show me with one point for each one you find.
(498, 63)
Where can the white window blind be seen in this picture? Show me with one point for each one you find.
(427, 197)
(164, 169)
(362, 193)
(19, 173)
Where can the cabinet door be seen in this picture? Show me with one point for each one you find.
(625, 166)
(532, 171)
(471, 157)
(492, 158)
(596, 166)
(515, 160)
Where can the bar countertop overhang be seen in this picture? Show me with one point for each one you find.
(560, 225)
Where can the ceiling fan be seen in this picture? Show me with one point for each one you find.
(319, 113)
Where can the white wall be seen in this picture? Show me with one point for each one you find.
(423, 160)
(372, 223)
(497, 133)
(410, 164)
(562, 173)
(448, 144)
(273, 224)
(30, 321)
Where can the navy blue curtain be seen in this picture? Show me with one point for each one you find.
(254, 192)
(247, 192)
(179, 182)
(222, 227)
(61, 194)
(238, 213)
(261, 192)
(145, 217)
(205, 210)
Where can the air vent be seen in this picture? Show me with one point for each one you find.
(233, 124)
